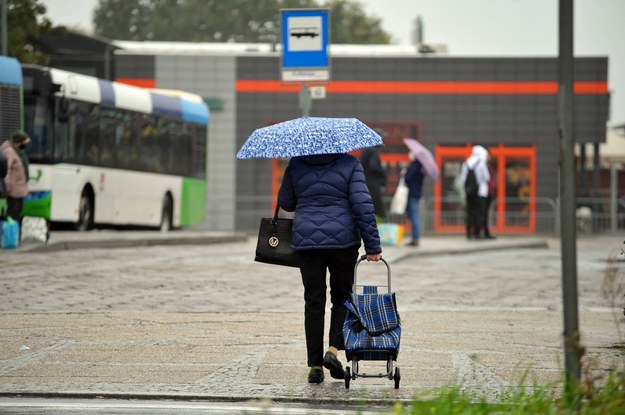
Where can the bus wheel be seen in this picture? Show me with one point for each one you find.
(167, 215)
(85, 212)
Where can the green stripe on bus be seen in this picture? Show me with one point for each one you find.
(192, 208)
(39, 207)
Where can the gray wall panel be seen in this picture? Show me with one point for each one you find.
(134, 66)
(210, 76)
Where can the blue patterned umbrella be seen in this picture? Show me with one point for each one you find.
(309, 135)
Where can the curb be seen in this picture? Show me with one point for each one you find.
(469, 250)
(133, 242)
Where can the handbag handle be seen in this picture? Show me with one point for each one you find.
(275, 213)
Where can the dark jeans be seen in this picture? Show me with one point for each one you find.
(313, 267)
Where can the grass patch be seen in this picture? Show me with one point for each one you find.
(604, 396)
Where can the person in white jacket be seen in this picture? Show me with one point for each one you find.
(476, 202)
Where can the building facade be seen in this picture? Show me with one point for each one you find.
(509, 105)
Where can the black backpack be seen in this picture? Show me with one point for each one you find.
(470, 183)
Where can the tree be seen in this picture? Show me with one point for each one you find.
(350, 24)
(241, 21)
(26, 22)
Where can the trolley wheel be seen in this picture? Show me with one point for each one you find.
(348, 377)
(397, 377)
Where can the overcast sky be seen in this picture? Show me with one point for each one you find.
(474, 28)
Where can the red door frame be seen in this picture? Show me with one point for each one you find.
(501, 154)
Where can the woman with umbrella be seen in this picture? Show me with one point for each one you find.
(326, 189)
(421, 161)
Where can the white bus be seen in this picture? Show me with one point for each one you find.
(109, 153)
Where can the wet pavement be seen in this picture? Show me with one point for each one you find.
(198, 319)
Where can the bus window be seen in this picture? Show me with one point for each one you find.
(198, 152)
(37, 122)
(150, 151)
(90, 131)
(108, 135)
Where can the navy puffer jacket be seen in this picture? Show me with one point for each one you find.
(333, 208)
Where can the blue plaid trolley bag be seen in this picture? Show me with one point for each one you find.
(372, 329)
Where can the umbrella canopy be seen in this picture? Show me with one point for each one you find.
(424, 156)
(306, 136)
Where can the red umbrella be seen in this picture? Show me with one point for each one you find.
(424, 156)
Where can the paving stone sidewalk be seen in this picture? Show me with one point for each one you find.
(203, 321)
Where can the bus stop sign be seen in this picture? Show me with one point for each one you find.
(305, 40)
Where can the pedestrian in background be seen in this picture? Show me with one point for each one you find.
(21, 139)
(333, 212)
(477, 192)
(16, 178)
(414, 181)
(375, 176)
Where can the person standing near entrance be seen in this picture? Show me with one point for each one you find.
(16, 179)
(475, 177)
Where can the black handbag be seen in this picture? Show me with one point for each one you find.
(274, 242)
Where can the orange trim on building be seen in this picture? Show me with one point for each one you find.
(423, 87)
(140, 82)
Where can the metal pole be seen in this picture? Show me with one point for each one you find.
(5, 29)
(613, 198)
(582, 170)
(305, 100)
(596, 183)
(567, 200)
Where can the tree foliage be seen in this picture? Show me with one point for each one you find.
(26, 22)
(244, 21)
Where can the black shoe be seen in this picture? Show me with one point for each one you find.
(331, 363)
(315, 375)
(489, 236)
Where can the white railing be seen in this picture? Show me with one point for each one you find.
(594, 215)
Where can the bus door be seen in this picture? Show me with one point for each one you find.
(513, 208)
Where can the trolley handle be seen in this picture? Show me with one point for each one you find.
(388, 273)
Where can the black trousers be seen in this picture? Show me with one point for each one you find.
(14, 208)
(313, 266)
(476, 215)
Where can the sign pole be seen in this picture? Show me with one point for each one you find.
(568, 237)
(305, 100)
(5, 29)
(305, 51)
